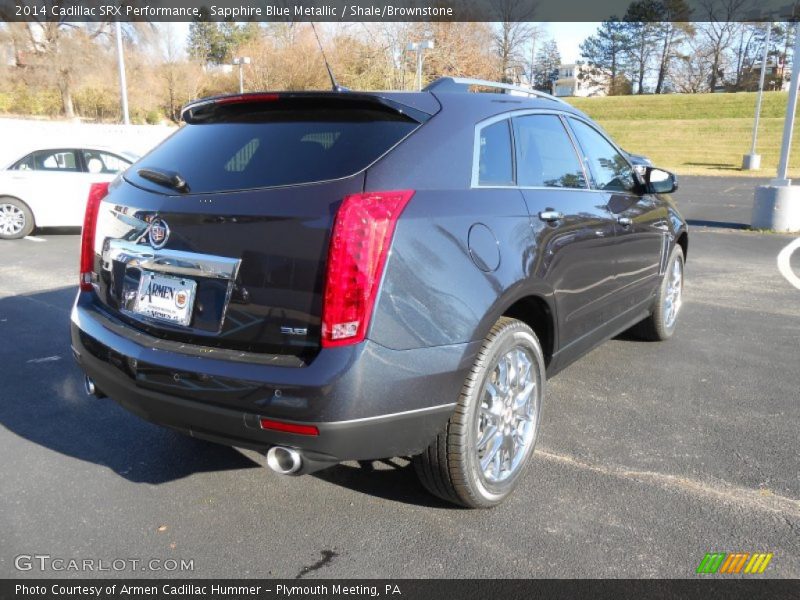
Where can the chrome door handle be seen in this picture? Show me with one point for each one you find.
(625, 221)
(551, 216)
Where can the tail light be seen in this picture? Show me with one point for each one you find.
(97, 192)
(360, 242)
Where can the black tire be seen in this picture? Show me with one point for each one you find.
(7, 204)
(658, 326)
(450, 468)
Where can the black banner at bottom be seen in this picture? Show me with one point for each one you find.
(405, 589)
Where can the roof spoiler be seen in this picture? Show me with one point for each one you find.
(461, 85)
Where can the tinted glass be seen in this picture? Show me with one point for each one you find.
(281, 147)
(103, 162)
(49, 160)
(610, 169)
(545, 154)
(495, 164)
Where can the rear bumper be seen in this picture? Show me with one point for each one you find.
(366, 400)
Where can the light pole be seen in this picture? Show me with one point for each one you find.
(241, 61)
(777, 204)
(752, 161)
(123, 85)
(419, 48)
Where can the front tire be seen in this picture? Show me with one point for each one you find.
(660, 325)
(16, 219)
(478, 459)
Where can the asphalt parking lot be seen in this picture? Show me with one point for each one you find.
(650, 455)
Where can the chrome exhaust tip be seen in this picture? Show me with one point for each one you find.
(91, 388)
(284, 460)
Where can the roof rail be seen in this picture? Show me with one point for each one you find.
(462, 84)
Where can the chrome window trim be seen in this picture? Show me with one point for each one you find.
(507, 116)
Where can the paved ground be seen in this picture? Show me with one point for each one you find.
(650, 456)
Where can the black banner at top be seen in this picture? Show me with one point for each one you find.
(388, 11)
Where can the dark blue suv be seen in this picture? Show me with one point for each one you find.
(331, 276)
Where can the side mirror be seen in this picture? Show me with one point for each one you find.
(659, 181)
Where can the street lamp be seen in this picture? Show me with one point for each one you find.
(777, 204)
(752, 161)
(241, 61)
(123, 85)
(419, 48)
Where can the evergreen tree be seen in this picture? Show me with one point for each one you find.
(605, 54)
(548, 59)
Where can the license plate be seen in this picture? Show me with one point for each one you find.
(165, 298)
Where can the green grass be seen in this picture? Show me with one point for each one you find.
(696, 133)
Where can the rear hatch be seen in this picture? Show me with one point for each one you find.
(219, 236)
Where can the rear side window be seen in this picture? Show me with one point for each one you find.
(495, 166)
(276, 147)
(545, 154)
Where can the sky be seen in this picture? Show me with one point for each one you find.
(568, 36)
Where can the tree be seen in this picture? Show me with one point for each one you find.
(720, 21)
(605, 54)
(647, 28)
(511, 35)
(548, 60)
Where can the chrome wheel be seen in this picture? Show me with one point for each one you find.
(506, 427)
(12, 219)
(672, 299)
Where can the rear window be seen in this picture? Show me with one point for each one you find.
(275, 147)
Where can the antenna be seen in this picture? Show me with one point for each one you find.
(335, 86)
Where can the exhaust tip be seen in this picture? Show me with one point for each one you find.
(284, 460)
(91, 388)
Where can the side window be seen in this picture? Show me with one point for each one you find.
(610, 169)
(495, 166)
(545, 154)
(55, 160)
(103, 162)
(26, 164)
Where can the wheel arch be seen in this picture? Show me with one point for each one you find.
(683, 242)
(537, 313)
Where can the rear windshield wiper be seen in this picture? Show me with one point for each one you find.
(171, 179)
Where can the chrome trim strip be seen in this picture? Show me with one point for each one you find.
(175, 262)
(438, 407)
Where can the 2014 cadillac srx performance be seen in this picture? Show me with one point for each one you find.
(331, 276)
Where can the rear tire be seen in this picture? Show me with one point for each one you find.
(478, 459)
(660, 325)
(16, 219)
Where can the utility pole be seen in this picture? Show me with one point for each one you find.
(123, 84)
(752, 161)
(777, 204)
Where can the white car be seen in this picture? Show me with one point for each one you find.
(49, 187)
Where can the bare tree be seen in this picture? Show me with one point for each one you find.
(720, 23)
(512, 34)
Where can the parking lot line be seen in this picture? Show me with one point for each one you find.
(784, 264)
(32, 238)
(727, 493)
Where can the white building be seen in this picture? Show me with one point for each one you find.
(570, 84)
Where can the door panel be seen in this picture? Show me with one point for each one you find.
(576, 258)
(577, 240)
(642, 231)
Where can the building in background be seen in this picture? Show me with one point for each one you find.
(573, 80)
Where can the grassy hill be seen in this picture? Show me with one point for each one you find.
(699, 134)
